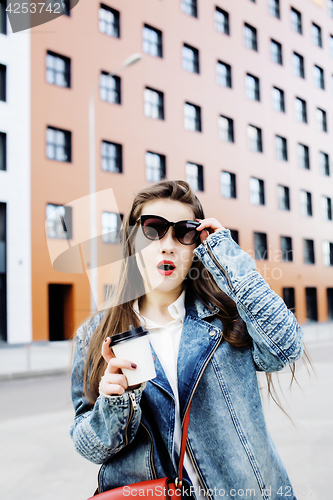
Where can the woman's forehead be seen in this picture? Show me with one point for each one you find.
(172, 210)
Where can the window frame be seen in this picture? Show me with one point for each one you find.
(258, 141)
(3, 17)
(118, 157)
(3, 83)
(280, 108)
(301, 110)
(145, 42)
(228, 131)
(225, 23)
(196, 120)
(252, 90)
(108, 90)
(306, 203)
(322, 123)
(319, 77)
(260, 241)
(67, 146)
(296, 22)
(299, 68)
(195, 62)
(286, 246)
(303, 159)
(59, 228)
(276, 52)
(161, 168)
(324, 165)
(115, 25)
(200, 180)
(112, 239)
(283, 197)
(159, 106)
(227, 77)
(281, 148)
(191, 5)
(67, 72)
(3, 151)
(308, 251)
(274, 8)
(251, 42)
(317, 35)
(228, 189)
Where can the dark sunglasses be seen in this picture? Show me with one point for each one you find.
(155, 227)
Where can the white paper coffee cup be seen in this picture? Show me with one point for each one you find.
(134, 345)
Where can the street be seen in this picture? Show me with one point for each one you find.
(38, 460)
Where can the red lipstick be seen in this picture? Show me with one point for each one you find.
(166, 267)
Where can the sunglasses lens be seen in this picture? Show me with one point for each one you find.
(154, 229)
(186, 233)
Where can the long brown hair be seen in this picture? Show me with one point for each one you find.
(120, 314)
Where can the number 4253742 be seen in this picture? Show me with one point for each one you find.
(33, 8)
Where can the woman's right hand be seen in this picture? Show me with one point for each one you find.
(113, 380)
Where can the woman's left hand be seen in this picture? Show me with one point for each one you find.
(207, 227)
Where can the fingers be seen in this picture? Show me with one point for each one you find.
(212, 225)
(113, 380)
(106, 351)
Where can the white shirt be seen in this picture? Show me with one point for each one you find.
(165, 340)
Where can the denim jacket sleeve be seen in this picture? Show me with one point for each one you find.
(101, 430)
(277, 337)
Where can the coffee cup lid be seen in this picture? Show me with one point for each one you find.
(128, 335)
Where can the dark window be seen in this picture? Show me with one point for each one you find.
(223, 72)
(284, 197)
(111, 223)
(222, 21)
(228, 185)
(190, 59)
(189, 7)
(296, 20)
(306, 203)
(326, 205)
(250, 37)
(66, 7)
(58, 69)
(155, 167)
(260, 246)
(58, 144)
(281, 148)
(311, 304)
(60, 300)
(319, 78)
(109, 21)
(298, 65)
(152, 41)
(286, 249)
(111, 157)
(257, 191)
(153, 104)
(278, 100)
(3, 18)
(309, 256)
(303, 156)
(322, 120)
(289, 297)
(234, 235)
(254, 135)
(331, 45)
(300, 108)
(226, 129)
(110, 88)
(316, 35)
(252, 87)
(3, 151)
(3, 83)
(59, 221)
(194, 176)
(276, 52)
(3, 275)
(329, 301)
(192, 117)
(274, 8)
(324, 162)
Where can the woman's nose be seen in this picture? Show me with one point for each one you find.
(168, 241)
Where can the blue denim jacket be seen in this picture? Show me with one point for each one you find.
(228, 441)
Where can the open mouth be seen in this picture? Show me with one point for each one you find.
(166, 268)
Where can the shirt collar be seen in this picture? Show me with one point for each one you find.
(176, 310)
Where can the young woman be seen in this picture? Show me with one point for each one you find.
(213, 322)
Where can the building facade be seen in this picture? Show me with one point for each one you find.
(15, 194)
(235, 100)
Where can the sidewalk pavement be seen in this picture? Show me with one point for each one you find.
(53, 358)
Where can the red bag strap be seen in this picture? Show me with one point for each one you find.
(179, 479)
